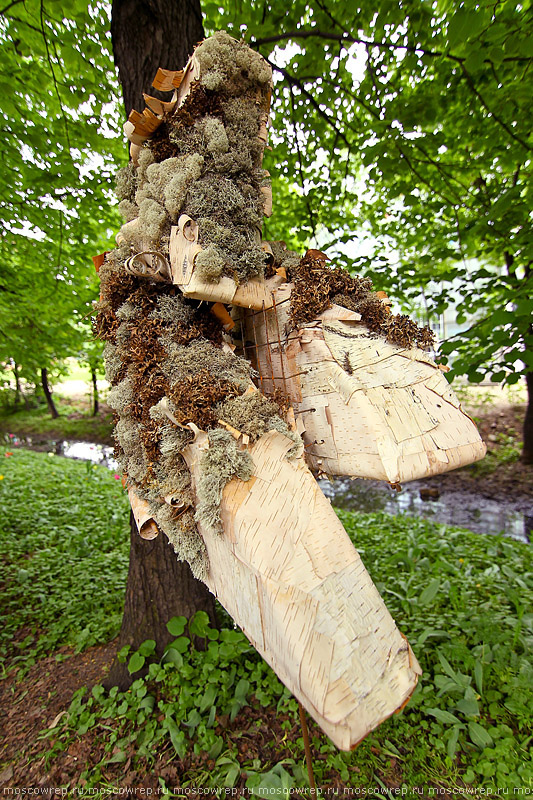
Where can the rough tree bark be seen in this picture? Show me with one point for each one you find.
(527, 452)
(95, 392)
(148, 34)
(48, 394)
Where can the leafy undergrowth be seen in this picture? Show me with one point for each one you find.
(220, 718)
(64, 554)
(75, 421)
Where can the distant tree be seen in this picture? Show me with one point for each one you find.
(60, 149)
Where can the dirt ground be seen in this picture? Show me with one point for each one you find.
(33, 704)
(499, 426)
(36, 704)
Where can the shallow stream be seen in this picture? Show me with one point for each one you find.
(464, 509)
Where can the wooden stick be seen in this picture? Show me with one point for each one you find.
(307, 748)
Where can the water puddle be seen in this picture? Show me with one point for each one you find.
(463, 509)
(83, 451)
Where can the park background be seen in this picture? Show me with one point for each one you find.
(401, 147)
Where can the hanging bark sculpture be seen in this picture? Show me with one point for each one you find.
(227, 355)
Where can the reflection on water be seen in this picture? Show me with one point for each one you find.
(464, 509)
(85, 451)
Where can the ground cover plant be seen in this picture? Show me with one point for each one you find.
(63, 551)
(220, 717)
(75, 421)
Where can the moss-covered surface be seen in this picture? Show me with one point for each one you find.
(164, 354)
(316, 286)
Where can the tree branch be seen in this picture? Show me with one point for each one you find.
(349, 39)
(294, 81)
(492, 113)
(6, 9)
(56, 87)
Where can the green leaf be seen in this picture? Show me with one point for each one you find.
(178, 738)
(451, 745)
(208, 698)
(147, 703)
(469, 707)
(176, 625)
(478, 676)
(443, 716)
(479, 735)
(242, 689)
(147, 647)
(231, 775)
(136, 663)
(199, 624)
(172, 656)
(429, 593)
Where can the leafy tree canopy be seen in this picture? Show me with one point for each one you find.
(61, 146)
(403, 123)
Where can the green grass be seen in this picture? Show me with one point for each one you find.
(463, 600)
(64, 553)
(75, 422)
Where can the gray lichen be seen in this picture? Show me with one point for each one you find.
(199, 355)
(209, 167)
(219, 464)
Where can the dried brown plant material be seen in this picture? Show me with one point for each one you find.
(160, 144)
(401, 330)
(151, 436)
(317, 287)
(149, 389)
(116, 286)
(195, 398)
(198, 103)
(315, 284)
(105, 324)
(204, 326)
(374, 313)
(425, 337)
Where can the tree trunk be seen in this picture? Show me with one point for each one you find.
(159, 587)
(48, 394)
(18, 390)
(95, 392)
(527, 453)
(146, 35)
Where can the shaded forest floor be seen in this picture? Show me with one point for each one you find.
(220, 718)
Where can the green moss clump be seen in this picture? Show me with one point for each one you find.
(219, 464)
(187, 170)
(216, 136)
(187, 360)
(121, 396)
(153, 222)
(126, 182)
(173, 310)
(251, 414)
(254, 414)
(210, 264)
(231, 65)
